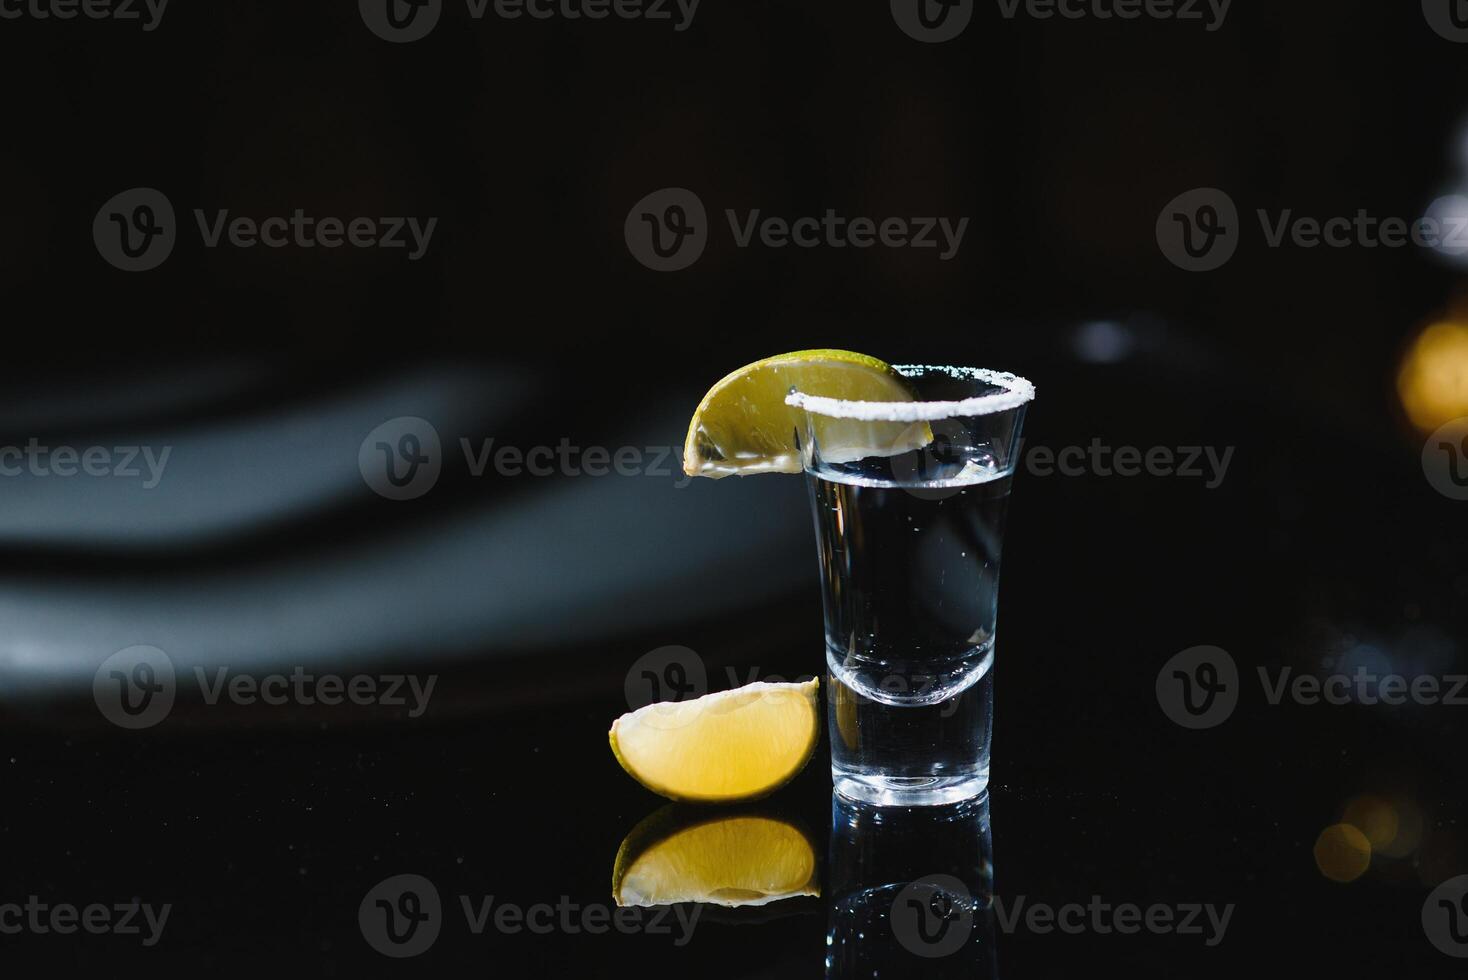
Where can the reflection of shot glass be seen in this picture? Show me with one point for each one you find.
(909, 501)
(911, 891)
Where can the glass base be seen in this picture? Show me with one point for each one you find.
(909, 790)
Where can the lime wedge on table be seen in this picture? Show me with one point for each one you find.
(743, 425)
(723, 747)
(742, 859)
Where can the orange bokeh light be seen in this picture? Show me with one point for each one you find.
(1342, 853)
(1433, 379)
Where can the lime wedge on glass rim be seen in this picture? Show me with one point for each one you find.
(743, 425)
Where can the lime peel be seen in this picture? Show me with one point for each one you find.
(744, 425)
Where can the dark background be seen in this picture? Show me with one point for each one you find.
(530, 322)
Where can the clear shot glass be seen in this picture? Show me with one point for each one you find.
(909, 499)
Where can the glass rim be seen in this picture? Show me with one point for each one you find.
(1015, 392)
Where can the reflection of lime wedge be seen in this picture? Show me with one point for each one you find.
(743, 425)
(845, 710)
(733, 745)
(739, 860)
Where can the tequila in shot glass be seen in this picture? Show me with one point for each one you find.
(909, 499)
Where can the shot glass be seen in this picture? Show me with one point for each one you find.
(909, 499)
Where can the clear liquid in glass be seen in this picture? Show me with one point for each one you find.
(910, 579)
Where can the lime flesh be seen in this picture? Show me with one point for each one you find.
(721, 748)
(743, 425)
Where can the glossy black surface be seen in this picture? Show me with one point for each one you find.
(266, 830)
